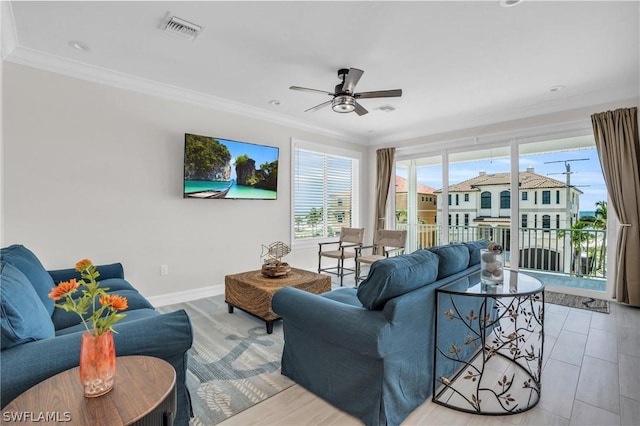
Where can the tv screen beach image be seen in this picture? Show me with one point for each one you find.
(217, 168)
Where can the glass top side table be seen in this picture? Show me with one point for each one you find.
(488, 344)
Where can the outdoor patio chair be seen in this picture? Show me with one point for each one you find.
(350, 238)
(385, 242)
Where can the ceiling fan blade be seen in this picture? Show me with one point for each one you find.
(306, 89)
(352, 79)
(360, 110)
(319, 106)
(379, 94)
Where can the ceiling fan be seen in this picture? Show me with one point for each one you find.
(344, 99)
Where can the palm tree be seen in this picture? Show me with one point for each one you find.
(601, 223)
(601, 215)
(578, 236)
(314, 218)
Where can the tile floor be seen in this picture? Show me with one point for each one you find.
(591, 376)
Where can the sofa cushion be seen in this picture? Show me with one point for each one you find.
(111, 285)
(474, 250)
(110, 271)
(392, 277)
(346, 295)
(23, 318)
(22, 258)
(63, 319)
(131, 316)
(453, 258)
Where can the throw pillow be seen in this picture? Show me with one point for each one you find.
(22, 258)
(474, 250)
(453, 259)
(394, 276)
(22, 317)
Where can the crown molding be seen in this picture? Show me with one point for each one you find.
(57, 64)
(617, 94)
(8, 34)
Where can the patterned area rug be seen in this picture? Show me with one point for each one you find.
(580, 302)
(233, 363)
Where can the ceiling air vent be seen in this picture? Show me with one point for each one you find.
(181, 28)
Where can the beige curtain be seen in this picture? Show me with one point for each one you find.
(384, 167)
(616, 134)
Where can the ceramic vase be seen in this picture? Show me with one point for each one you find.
(97, 363)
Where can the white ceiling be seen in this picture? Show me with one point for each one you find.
(459, 63)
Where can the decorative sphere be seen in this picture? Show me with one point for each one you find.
(488, 257)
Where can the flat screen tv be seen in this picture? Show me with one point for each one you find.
(216, 168)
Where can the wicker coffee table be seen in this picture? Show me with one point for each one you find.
(252, 292)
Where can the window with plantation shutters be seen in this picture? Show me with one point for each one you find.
(324, 188)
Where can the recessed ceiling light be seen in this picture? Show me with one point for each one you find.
(509, 3)
(274, 102)
(557, 88)
(386, 108)
(78, 45)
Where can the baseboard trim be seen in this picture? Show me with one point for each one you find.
(186, 296)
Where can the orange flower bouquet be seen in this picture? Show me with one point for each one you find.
(102, 318)
(97, 352)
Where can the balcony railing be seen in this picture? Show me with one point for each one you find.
(574, 252)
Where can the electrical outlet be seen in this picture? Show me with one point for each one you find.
(164, 269)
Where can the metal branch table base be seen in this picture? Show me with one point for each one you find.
(489, 344)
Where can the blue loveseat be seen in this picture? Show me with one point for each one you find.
(369, 350)
(39, 340)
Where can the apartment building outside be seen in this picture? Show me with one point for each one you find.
(426, 202)
(547, 207)
(485, 200)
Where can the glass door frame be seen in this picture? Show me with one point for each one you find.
(513, 140)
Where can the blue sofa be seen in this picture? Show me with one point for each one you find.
(369, 350)
(39, 340)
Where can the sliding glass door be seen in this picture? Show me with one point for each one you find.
(563, 213)
(545, 202)
(417, 181)
(479, 196)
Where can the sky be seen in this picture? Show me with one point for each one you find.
(585, 175)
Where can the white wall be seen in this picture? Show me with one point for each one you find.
(95, 171)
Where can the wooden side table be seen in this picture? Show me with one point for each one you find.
(144, 393)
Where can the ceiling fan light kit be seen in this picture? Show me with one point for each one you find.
(343, 103)
(344, 97)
